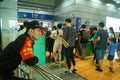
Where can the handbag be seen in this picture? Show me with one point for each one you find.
(65, 43)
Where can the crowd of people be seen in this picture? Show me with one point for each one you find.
(20, 51)
(100, 39)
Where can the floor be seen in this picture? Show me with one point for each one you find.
(86, 69)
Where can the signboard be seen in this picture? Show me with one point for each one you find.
(35, 16)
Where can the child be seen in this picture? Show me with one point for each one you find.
(112, 47)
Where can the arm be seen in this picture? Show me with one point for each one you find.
(97, 39)
(27, 53)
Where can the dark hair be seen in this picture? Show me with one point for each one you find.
(101, 24)
(54, 27)
(94, 28)
(68, 20)
(59, 26)
(83, 26)
(111, 29)
(113, 40)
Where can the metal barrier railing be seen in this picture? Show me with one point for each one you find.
(43, 73)
(24, 73)
(49, 75)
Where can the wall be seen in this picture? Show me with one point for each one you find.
(95, 11)
(64, 9)
(92, 10)
(8, 11)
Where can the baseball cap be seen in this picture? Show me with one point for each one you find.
(33, 24)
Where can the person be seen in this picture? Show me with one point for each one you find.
(69, 34)
(53, 32)
(19, 51)
(49, 44)
(22, 28)
(57, 47)
(101, 42)
(111, 34)
(118, 47)
(94, 36)
(83, 39)
(112, 47)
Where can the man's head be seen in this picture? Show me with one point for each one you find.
(68, 22)
(101, 25)
(83, 26)
(59, 26)
(94, 29)
(33, 29)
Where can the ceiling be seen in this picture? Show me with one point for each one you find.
(50, 5)
(114, 2)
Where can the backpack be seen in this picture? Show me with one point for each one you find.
(84, 35)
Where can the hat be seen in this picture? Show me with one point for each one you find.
(34, 24)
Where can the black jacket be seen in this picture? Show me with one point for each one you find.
(11, 58)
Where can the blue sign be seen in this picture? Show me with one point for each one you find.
(35, 16)
(78, 23)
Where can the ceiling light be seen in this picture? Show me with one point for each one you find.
(109, 5)
(117, 2)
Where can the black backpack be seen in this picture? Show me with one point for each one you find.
(84, 35)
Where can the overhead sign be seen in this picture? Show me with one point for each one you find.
(35, 16)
